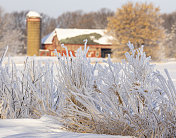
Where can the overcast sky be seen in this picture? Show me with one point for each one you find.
(54, 8)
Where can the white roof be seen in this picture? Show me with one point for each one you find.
(33, 14)
(67, 33)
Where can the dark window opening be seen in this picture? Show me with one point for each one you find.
(105, 52)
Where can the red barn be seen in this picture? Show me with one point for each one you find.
(98, 41)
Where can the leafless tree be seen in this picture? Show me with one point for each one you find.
(69, 19)
(169, 23)
(79, 19)
(10, 35)
(101, 16)
(48, 24)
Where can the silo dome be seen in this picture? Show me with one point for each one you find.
(33, 14)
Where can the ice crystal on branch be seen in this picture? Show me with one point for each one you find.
(128, 98)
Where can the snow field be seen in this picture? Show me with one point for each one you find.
(128, 98)
(43, 127)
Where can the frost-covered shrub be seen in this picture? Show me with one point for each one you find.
(27, 91)
(128, 98)
(144, 92)
(145, 98)
(77, 85)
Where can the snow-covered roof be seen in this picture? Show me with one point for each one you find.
(33, 14)
(68, 33)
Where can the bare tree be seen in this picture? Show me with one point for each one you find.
(100, 17)
(69, 19)
(20, 20)
(87, 21)
(1, 22)
(91, 20)
(168, 21)
(20, 24)
(11, 35)
(48, 24)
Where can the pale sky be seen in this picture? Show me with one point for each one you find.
(54, 8)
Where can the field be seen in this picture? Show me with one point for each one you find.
(134, 98)
(44, 127)
(47, 127)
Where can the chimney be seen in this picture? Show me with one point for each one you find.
(33, 33)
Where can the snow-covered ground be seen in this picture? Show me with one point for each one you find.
(170, 66)
(44, 127)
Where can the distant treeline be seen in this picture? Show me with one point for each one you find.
(13, 25)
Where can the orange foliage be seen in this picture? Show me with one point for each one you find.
(139, 23)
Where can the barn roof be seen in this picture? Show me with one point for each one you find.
(68, 33)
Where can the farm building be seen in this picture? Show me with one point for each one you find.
(33, 24)
(98, 41)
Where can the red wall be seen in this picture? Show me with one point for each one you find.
(94, 50)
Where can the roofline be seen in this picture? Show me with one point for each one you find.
(77, 29)
(55, 31)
